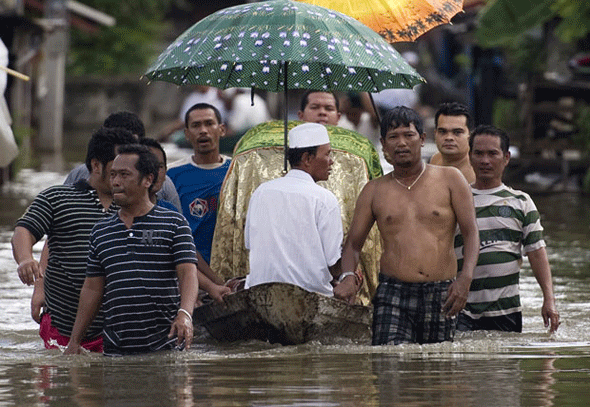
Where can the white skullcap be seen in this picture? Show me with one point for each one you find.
(308, 135)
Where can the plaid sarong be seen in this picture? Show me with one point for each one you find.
(411, 312)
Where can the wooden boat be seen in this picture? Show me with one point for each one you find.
(286, 314)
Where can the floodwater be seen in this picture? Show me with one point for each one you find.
(534, 368)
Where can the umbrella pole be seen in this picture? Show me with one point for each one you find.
(285, 114)
(374, 107)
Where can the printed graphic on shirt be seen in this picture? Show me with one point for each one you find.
(199, 208)
(505, 211)
(151, 238)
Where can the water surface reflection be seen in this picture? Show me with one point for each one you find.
(308, 376)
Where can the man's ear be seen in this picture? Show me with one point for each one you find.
(95, 166)
(223, 130)
(306, 158)
(148, 180)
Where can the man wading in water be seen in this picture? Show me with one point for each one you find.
(417, 208)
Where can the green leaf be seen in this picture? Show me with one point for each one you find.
(126, 48)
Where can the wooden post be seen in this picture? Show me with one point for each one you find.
(52, 105)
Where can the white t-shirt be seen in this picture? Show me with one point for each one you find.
(294, 233)
(390, 98)
(243, 115)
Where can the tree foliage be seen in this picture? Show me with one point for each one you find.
(518, 28)
(126, 48)
(502, 22)
(575, 23)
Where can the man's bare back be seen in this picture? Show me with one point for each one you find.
(418, 233)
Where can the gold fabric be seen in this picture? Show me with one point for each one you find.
(251, 168)
(271, 134)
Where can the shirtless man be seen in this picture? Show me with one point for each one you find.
(452, 122)
(416, 207)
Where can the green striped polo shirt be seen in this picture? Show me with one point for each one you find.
(509, 226)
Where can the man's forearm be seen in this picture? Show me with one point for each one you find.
(470, 254)
(88, 307)
(22, 244)
(28, 268)
(207, 271)
(350, 258)
(188, 285)
(542, 271)
(205, 282)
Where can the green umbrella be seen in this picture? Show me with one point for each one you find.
(279, 45)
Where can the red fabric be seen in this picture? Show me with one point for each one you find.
(50, 336)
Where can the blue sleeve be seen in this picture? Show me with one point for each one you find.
(167, 205)
(169, 193)
(183, 246)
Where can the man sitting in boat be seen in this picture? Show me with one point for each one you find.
(258, 157)
(293, 226)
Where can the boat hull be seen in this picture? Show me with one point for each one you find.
(286, 314)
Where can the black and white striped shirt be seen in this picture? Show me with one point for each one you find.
(141, 296)
(66, 214)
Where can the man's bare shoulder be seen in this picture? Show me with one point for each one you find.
(450, 179)
(446, 172)
(372, 184)
(371, 189)
(436, 159)
(379, 182)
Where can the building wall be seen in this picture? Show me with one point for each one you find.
(88, 101)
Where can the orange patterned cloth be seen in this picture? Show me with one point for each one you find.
(396, 20)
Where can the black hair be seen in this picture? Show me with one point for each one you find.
(453, 109)
(202, 106)
(146, 164)
(305, 98)
(354, 99)
(400, 116)
(492, 131)
(103, 142)
(126, 120)
(150, 142)
(294, 155)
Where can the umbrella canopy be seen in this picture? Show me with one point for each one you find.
(396, 20)
(282, 44)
